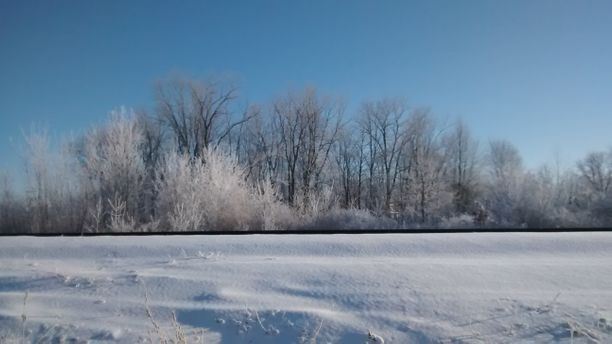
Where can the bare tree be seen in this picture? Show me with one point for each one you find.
(203, 161)
(308, 127)
(293, 132)
(261, 147)
(367, 130)
(596, 169)
(11, 207)
(462, 155)
(348, 160)
(504, 160)
(152, 148)
(383, 121)
(198, 113)
(321, 119)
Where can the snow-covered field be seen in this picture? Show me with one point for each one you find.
(447, 288)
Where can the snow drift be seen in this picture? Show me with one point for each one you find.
(427, 288)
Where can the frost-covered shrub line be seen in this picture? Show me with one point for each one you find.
(200, 162)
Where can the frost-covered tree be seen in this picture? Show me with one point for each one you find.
(199, 164)
(114, 164)
(596, 176)
(54, 193)
(428, 194)
(505, 177)
(534, 205)
(462, 153)
(38, 170)
(596, 169)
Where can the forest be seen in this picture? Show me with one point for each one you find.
(201, 160)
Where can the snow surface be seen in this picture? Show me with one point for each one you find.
(440, 288)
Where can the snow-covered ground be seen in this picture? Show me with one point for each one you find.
(447, 288)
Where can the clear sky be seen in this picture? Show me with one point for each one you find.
(538, 73)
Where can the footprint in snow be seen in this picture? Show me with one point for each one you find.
(209, 255)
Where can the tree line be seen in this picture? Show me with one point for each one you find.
(200, 161)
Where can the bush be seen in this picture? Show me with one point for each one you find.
(349, 219)
(458, 221)
(212, 194)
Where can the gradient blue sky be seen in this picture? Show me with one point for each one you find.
(538, 73)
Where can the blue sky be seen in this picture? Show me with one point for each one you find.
(538, 73)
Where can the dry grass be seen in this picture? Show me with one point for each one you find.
(24, 317)
(179, 336)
